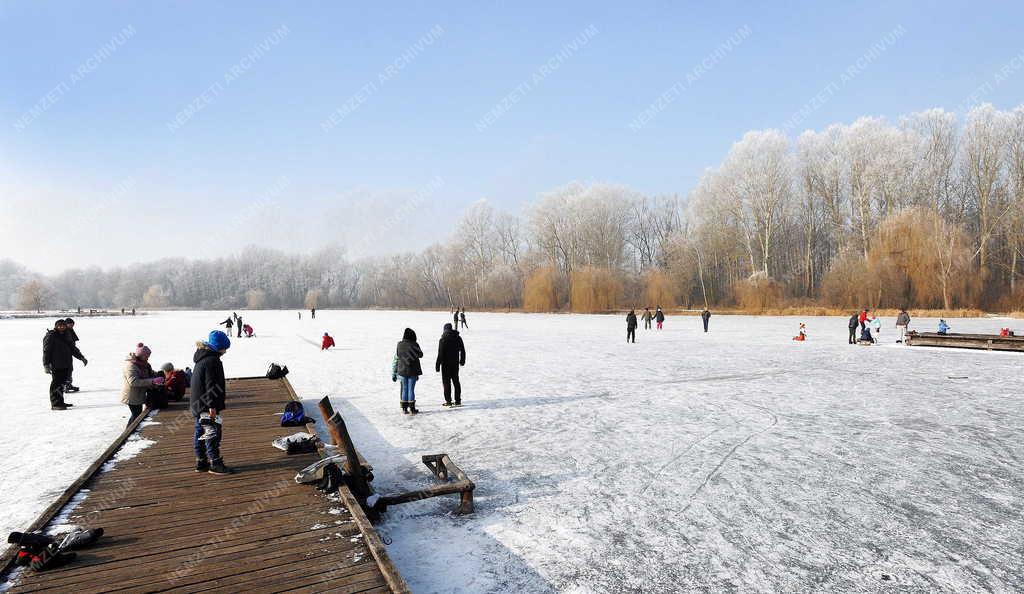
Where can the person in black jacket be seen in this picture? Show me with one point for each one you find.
(58, 352)
(451, 354)
(73, 337)
(705, 316)
(631, 325)
(207, 401)
(238, 323)
(854, 322)
(406, 366)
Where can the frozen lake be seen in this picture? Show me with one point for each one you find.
(734, 460)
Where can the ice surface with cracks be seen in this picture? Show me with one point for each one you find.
(737, 459)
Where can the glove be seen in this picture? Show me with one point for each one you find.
(47, 369)
(394, 378)
(158, 381)
(437, 369)
(84, 361)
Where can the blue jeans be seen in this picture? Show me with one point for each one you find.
(208, 449)
(408, 388)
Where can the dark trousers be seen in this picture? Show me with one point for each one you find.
(647, 324)
(630, 333)
(136, 411)
(705, 324)
(853, 335)
(450, 377)
(58, 377)
(208, 449)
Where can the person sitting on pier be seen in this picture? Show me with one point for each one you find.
(175, 381)
(943, 327)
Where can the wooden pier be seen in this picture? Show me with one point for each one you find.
(988, 342)
(171, 529)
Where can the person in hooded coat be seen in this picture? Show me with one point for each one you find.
(406, 366)
(327, 342)
(631, 326)
(207, 400)
(138, 378)
(451, 354)
(58, 352)
(902, 322)
(659, 317)
(854, 322)
(73, 337)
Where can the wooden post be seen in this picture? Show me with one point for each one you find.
(339, 433)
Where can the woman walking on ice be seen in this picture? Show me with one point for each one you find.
(406, 367)
(659, 317)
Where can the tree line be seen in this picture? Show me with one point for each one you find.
(924, 212)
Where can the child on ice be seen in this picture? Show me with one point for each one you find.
(327, 343)
(803, 333)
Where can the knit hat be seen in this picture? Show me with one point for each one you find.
(142, 350)
(167, 367)
(218, 341)
(69, 322)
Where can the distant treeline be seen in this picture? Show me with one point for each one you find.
(925, 213)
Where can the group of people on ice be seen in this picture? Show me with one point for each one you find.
(235, 321)
(406, 368)
(870, 326)
(59, 353)
(658, 316)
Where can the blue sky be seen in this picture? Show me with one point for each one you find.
(104, 156)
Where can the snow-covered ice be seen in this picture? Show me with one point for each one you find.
(737, 459)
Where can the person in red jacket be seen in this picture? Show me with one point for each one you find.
(328, 342)
(248, 330)
(863, 319)
(175, 381)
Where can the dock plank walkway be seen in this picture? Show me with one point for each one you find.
(171, 529)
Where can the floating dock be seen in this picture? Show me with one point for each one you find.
(988, 342)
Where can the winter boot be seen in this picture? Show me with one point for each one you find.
(59, 407)
(202, 465)
(405, 407)
(412, 408)
(217, 467)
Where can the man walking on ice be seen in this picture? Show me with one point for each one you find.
(451, 354)
(631, 326)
